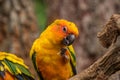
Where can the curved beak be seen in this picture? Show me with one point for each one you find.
(68, 40)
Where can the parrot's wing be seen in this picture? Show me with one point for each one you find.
(72, 59)
(15, 66)
(35, 66)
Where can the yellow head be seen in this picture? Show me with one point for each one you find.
(61, 32)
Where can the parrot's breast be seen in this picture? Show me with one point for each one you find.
(53, 67)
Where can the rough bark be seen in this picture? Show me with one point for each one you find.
(110, 31)
(107, 65)
(18, 28)
(103, 68)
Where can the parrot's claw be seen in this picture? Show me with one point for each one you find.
(64, 55)
(63, 51)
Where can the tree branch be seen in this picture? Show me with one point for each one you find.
(108, 64)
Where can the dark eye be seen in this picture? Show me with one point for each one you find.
(64, 29)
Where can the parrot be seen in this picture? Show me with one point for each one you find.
(52, 52)
(13, 68)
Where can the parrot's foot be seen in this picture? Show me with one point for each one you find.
(64, 55)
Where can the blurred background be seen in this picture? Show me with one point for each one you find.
(22, 21)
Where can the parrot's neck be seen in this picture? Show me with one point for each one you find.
(48, 40)
(48, 44)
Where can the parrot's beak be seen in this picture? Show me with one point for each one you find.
(68, 40)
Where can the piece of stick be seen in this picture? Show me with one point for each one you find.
(103, 68)
(110, 31)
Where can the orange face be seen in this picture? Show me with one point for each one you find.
(64, 31)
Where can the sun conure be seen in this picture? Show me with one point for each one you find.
(13, 68)
(52, 53)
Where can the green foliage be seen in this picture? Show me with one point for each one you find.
(40, 8)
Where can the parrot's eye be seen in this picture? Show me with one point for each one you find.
(64, 29)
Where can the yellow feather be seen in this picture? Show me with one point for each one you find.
(12, 58)
(18, 71)
(6, 67)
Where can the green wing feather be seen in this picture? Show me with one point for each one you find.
(34, 63)
(72, 59)
(15, 66)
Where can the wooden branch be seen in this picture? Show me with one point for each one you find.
(103, 68)
(110, 31)
(108, 64)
